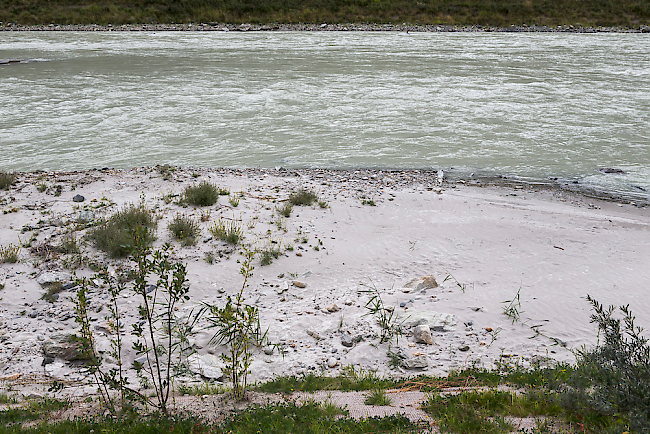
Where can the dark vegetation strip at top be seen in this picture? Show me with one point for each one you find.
(499, 13)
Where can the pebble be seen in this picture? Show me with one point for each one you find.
(78, 198)
(332, 362)
(463, 347)
(299, 284)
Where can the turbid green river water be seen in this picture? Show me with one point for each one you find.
(524, 105)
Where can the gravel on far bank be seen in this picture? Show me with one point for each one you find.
(323, 27)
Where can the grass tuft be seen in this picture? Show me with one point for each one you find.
(9, 254)
(378, 397)
(184, 229)
(6, 180)
(204, 194)
(230, 232)
(117, 236)
(285, 210)
(302, 197)
(268, 255)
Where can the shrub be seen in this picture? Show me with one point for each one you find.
(160, 335)
(230, 232)
(185, 230)
(204, 194)
(6, 179)
(303, 197)
(618, 369)
(117, 235)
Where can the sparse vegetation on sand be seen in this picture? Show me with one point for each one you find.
(604, 392)
(117, 235)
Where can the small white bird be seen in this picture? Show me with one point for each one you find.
(441, 176)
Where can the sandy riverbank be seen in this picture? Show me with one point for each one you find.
(553, 247)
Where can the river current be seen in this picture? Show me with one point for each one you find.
(534, 106)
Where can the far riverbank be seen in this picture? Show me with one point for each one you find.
(323, 27)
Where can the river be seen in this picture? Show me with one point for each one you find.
(534, 106)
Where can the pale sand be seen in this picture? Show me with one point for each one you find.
(556, 247)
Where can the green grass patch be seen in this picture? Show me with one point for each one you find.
(184, 229)
(119, 235)
(204, 194)
(33, 410)
(310, 418)
(350, 379)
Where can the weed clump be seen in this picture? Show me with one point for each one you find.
(185, 230)
(377, 397)
(230, 232)
(9, 254)
(204, 194)
(6, 180)
(268, 255)
(302, 197)
(51, 294)
(117, 235)
(285, 210)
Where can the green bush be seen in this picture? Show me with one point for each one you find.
(616, 373)
(117, 235)
(302, 197)
(6, 179)
(185, 230)
(204, 194)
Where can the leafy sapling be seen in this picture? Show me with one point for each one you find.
(156, 330)
(238, 327)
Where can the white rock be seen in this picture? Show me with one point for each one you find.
(422, 334)
(424, 282)
(206, 365)
(438, 322)
(332, 362)
(49, 278)
(417, 362)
